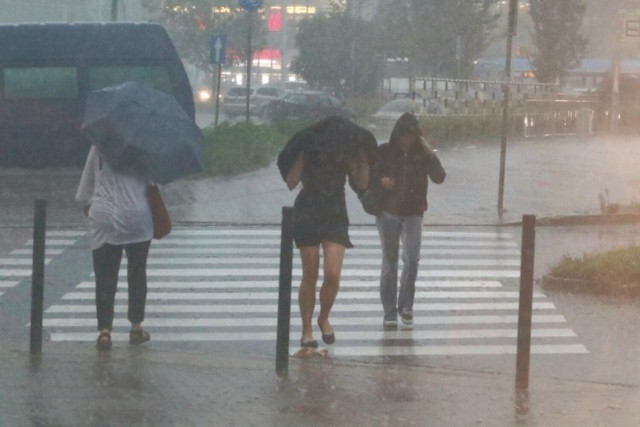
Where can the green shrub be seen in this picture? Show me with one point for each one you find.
(613, 272)
(244, 147)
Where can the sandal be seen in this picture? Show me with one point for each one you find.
(104, 341)
(137, 337)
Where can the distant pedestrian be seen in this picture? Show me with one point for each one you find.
(320, 210)
(119, 220)
(405, 164)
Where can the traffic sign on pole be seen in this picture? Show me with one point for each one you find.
(218, 48)
(632, 28)
(251, 4)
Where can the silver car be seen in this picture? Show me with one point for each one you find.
(234, 102)
(390, 112)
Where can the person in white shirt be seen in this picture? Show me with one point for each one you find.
(119, 220)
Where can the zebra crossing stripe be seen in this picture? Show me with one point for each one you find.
(54, 242)
(260, 296)
(273, 284)
(182, 322)
(47, 252)
(297, 273)
(454, 350)
(19, 261)
(357, 251)
(65, 233)
(354, 231)
(349, 261)
(8, 283)
(344, 335)
(273, 308)
(368, 242)
(354, 351)
(15, 272)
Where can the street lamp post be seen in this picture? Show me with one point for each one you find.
(249, 61)
(506, 91)
(250, 6)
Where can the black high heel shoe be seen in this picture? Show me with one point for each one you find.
(308, 344)
(327, 338)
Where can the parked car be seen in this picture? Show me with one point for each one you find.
(390, 112)
(296, 85)
(234, 102)
(262, 96)
(306, 104)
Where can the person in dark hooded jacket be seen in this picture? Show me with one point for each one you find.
(405, 165)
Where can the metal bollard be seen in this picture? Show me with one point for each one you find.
(37, 276)
(525, 308)
(284, 292)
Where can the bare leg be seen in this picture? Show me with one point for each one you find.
(333, 257)
(310, 256)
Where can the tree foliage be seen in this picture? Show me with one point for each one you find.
(192, 22)
(556, 35)
(437, 37)
(338, 53)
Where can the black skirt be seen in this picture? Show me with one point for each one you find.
(320, 216)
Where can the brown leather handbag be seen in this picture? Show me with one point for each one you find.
(159, 213)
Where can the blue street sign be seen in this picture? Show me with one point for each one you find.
(218, 48)
(251, 4)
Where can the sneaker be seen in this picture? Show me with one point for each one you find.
(390, 324)
(406, 316)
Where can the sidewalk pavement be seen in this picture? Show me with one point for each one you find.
(555, 180)
(75, 386)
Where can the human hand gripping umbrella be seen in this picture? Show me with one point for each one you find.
(135, 126)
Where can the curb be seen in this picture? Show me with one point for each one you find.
(606, 219)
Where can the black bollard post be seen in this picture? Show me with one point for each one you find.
(284, 292)
(525, 308)
(37, 276)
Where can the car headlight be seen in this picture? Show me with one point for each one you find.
(204, 95)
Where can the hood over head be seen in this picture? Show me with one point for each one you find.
(407, 123)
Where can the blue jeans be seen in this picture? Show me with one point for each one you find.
(392, 228)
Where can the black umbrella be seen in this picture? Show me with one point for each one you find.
(136, 126)
(332, 134)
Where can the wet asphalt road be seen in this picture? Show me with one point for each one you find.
(543, 177)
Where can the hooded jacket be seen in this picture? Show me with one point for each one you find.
(410, 169)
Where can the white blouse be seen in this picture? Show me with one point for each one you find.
(119, 211)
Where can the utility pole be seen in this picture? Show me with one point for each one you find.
(506, 93)
(114, 10)
(249, 61)
(284, 50)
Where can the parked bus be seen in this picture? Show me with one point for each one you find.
(47, 70)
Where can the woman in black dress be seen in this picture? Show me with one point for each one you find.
(321, 221)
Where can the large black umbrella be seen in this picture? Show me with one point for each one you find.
(136, 126)
(332, 134)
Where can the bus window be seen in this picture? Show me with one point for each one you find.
(40, 82)
(155, 76)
